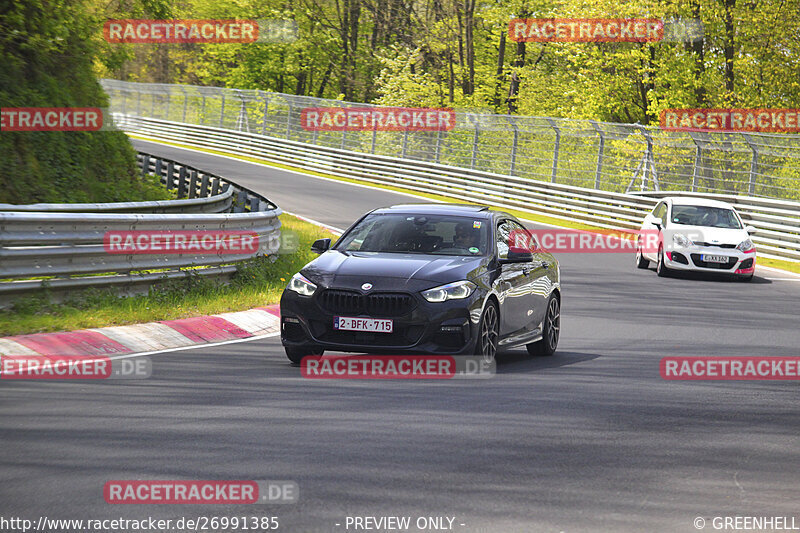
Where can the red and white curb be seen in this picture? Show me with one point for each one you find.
(148, 337)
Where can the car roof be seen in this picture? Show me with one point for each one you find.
(475, 211)
(685, 200)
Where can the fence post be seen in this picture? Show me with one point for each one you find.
(266, 114)
(514, 144)
(475, 145)
(185, 103)
(203, 110)
(556, 149)
(289, 120)
(698, 153)
(438, 144)
(169, 99)
(751, 186)
(600, 152)
(222, 109)
(405, 143)
(139, 103)
(374, 134)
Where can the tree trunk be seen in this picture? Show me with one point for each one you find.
(501, 56)
(729, 48)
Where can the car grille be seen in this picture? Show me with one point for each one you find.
(377, 304)
(720, 266)
(715, 244)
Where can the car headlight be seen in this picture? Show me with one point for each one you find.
(451, 291)
(746, 246)
(300, 284)
(682, 240)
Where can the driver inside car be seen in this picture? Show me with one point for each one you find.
(466, 236)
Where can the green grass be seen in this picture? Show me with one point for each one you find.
(256, 283)
(790, 266)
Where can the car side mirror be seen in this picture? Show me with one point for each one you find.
(657, 222)
(517, 257)
(321, 245)
(750, 230)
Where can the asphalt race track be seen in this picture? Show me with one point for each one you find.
(592, 439)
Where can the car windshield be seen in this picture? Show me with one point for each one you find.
(421, 234)
(701, 215)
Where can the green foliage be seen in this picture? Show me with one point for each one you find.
(46, 60)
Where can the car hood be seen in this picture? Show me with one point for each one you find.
(391, 271)
(712, 235)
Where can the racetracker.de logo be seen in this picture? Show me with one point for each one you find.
(73, 367)
(181, 242)
(586, 30)
(138, 31)
(377, 118)
(396, 367)
(557, 240)
(200, 492)
(730, 368)
(763, 120)
(51, 119)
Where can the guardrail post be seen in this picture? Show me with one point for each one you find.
(474, 156)
(751, 185)
(182, 182)
(170, 174)
(344, 137)
(556, 149)
(159, 167)
(145, 165)
(600, 153)
(215, 186)
(222, 109)
(514, 144)
(193, 185)
(204, 186)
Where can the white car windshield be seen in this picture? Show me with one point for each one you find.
(701, 215)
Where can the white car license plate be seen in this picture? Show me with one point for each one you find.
(714, 258)
(374, 325)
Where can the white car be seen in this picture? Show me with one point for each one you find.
(698, 235)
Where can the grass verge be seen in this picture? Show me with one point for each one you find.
(256, 283)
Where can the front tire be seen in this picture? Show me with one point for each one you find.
(641, 260)
(551, 332)
(488, 332)
(296, 354)
(661, 268)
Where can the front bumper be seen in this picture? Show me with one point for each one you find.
(448, 327)
(690, 259)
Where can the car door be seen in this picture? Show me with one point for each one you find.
(660, 211)
(514, 285)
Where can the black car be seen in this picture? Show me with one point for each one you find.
(425, 279)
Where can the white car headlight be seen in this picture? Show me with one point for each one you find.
(451, 291)
(682, 240)
(300, 284)
(745, 246)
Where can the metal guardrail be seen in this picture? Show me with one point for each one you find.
(778, 221)
(585, 153)
(65, 249)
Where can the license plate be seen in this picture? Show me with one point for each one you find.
(714, 258)
(373, 325)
